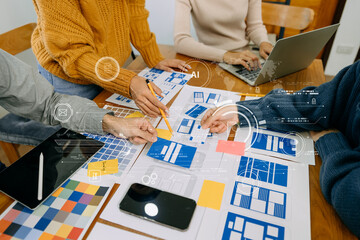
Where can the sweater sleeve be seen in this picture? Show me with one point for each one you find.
(340, 178)
(312, 108)
(184, 42)
(24, 92)
(255, 27)
(69, 40)
(141, 36)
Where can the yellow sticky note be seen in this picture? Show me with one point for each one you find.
(102, 168)
(135, 115)
(211, 194)
(163, 133)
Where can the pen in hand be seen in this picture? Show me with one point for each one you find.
(161, 111)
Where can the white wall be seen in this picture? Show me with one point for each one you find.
(347, 39)
(161, 20)
(15, 13)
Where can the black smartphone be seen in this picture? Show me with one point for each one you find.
(158, 206)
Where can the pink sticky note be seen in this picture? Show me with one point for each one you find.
(231, 147)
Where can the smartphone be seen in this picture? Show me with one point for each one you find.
(158, 206)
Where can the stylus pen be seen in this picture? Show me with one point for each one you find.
(161, 111)
(40, 180)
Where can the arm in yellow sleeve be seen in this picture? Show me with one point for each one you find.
(69, 40)
(141, 36)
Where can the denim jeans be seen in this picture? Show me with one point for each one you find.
(65, 87)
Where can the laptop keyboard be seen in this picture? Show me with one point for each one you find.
(250, 75)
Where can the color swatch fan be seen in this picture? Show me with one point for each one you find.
(64, 215)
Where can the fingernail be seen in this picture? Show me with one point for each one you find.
(154, 139)
(189, 66)
(162, 95)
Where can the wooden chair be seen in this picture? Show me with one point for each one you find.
(14, 42)
(279, 15)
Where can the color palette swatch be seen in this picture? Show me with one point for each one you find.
(64, 215)
(114, 148)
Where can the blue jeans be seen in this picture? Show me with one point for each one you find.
(65, 87)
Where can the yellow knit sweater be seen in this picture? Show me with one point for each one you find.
(72, 35)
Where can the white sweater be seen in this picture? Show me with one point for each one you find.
(220, 27)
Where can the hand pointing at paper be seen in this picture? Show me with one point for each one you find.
(219, 119)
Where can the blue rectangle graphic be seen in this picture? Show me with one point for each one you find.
(259, 199)
(272, 143)
(195, 111)
(172, 152)
(242, 227)
(263, 171)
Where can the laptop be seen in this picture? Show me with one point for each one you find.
(289, 55)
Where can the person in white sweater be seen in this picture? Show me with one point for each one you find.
(224, 29)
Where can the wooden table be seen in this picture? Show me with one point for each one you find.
(325, 223)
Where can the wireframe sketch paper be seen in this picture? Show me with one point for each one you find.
(169, 82)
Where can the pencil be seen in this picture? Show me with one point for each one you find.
(251, 95)
(161, 111)
(40, 180)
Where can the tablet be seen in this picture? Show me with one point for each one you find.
(36, 175)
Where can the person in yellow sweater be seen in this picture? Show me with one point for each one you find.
(81, 44)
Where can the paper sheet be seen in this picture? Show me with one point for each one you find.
(267, 197)
(169, 82)
(298, 147)
(172, 178)
(279, 190)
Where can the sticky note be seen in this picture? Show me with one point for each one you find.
(231, 147)
(135, 115)
(102, 168)
(164, 133)
(211, 194)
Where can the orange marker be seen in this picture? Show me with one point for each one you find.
(161, 111)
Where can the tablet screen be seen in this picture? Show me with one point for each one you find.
(63, 154)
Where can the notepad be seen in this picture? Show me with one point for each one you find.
(211, 194)
(102, 168)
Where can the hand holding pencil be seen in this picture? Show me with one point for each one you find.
(161, 111)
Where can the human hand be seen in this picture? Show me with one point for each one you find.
(265, 49)
(168, 64)
(137, 130)
(316, 135)
(144, 99)
(218, 119)
(246, 58)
